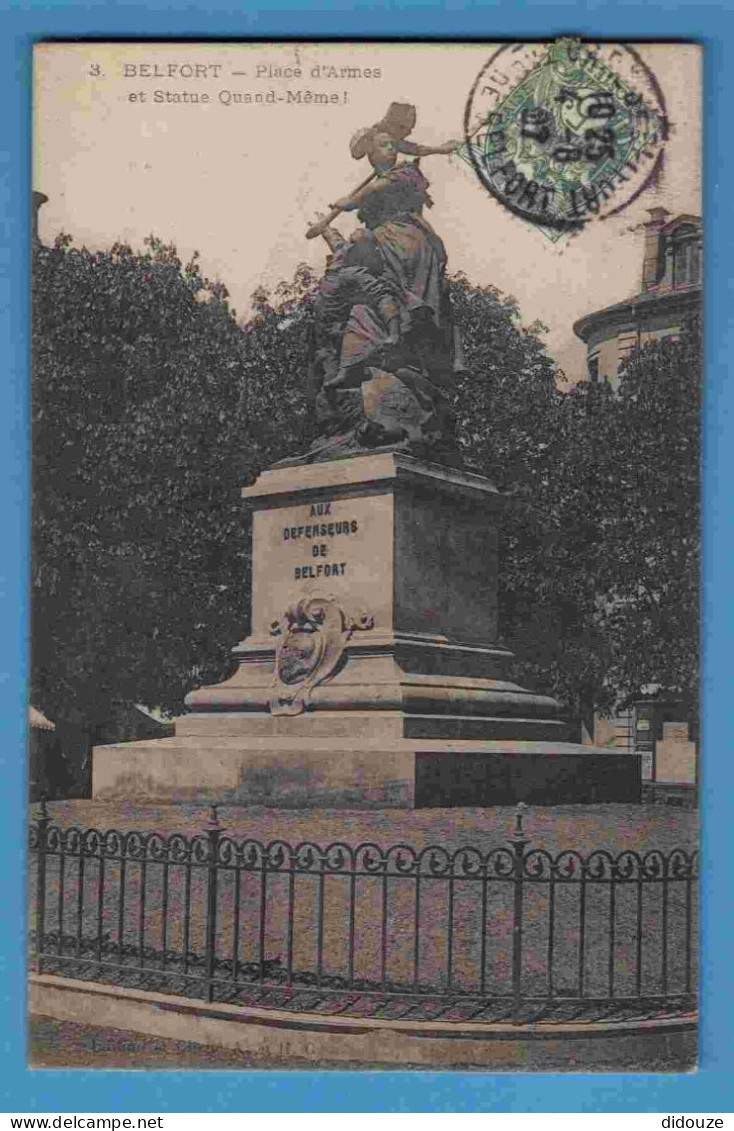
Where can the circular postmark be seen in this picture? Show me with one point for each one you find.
(567, 131)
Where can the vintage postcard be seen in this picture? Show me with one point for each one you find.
(364, 712)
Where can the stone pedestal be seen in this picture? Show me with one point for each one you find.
(373, 675)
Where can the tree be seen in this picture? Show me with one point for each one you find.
(653, 611)
(516, 428)
(152, 406)
(619, 570)
(140, 563)
(600, 548)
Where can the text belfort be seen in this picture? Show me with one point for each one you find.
(314, 531)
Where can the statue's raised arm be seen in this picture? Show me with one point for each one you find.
(381, 144)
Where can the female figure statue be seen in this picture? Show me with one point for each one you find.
(383, 308)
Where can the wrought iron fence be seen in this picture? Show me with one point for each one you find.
(514, 933)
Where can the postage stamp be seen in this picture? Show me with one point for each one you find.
(565, 132)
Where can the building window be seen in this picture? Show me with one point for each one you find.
(627, 343)
(686, 256)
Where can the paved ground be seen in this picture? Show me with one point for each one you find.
(66, 1044)
(584, 827)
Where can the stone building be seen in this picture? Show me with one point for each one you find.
(670, 289)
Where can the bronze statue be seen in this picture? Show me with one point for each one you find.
(384, 350)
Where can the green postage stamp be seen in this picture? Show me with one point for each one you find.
(563, 132)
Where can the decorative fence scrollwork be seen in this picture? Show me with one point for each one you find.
(516, 932)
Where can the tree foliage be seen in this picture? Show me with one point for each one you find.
(140, 560)
(653, 531)
(516, 428)
(152, 406)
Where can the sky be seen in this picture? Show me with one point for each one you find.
(122, 150)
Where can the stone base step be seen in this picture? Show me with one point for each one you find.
(289, 772)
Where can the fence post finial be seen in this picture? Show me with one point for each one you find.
(520, 810)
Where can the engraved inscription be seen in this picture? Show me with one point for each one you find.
(336, 547)
(313, 531)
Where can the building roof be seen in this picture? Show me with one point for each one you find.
(661, 297)
(635, 308)
(681, 218)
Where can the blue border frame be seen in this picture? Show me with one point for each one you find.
(23, 23)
